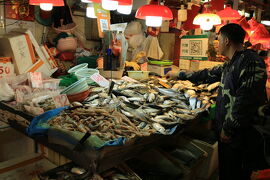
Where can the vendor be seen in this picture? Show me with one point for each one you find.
(241, 92)
(134, 34)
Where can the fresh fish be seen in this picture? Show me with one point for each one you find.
(105, 102)
(151, 97)
(168, 102)
(193, 103)
(97, 89)
(159, 128)
(92, 97)
(186, 117)
(183, 111)
(103, 95)
(140, 99)
(213, 86)
(95, 103)
(128, 114)
(124, 98)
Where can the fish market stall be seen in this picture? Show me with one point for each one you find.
(113, 125)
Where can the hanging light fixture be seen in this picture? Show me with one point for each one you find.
(266, 22)
(46, 5)
(110, 5)
(124, 6)
(228, 14)
(154, 13)
(90, 11)
(207, 20)
(91, 1)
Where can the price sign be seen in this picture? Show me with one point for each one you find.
(61, 100)
(6, 67)
(36, 79)
(100, 80)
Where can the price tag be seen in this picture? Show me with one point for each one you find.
(165, 85)
(61, 100)
(100, 80)
(6, 67)
(35, 78)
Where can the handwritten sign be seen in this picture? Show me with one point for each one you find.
(100, 80)
(6, 67)
(35, 78)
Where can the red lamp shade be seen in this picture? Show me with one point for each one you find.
(154, 10)
(125, 2)
(53, 2)
(229, 14)
(95, 1)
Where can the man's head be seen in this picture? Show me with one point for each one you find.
(230, 36)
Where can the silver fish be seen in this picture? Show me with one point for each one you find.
(159, 128)
(151, 97)
(92, 97)
(128, 114)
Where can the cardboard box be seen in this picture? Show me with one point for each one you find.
(160, 70)
(184, 64)
(19, 47)
(50, 65)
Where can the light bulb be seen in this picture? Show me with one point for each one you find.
(90, 11)
(85, 1)
(247, 14)
(206, 26)
(124, 9)
(46, 6)
(109, 5)
(153, 21)
(266, 22)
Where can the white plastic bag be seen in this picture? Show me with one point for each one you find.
(6, 92)
(152, 48)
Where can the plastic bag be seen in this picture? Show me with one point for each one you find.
(6, 92)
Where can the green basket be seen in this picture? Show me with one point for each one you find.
(161, 63)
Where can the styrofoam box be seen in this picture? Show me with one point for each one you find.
(160, 70)
(184, 64)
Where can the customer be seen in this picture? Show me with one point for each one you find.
(241, 92)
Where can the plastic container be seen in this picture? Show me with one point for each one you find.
(78, 97)
(111, 74)
(76, 87)
(51, 83)
(86, 73)
(78, 67)
(138, 75)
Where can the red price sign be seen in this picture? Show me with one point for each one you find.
(4, 70)
(100, 80)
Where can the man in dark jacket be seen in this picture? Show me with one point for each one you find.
(241, 92)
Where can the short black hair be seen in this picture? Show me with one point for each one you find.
(233, 32)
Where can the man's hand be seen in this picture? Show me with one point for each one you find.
(172, 75)
(135, 66)
(224, 138)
